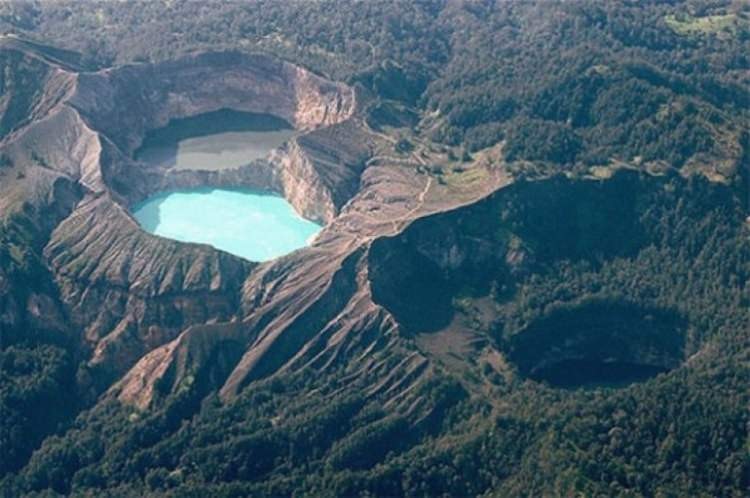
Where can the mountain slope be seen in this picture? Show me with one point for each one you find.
(532, 279)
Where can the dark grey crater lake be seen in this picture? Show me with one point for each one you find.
(218, 140)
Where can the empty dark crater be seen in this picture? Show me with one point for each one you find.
(599, 343)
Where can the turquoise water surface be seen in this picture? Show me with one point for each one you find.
(252, 225)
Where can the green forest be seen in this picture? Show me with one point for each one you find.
(661, 88)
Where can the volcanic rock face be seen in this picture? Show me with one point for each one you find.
(204, 83)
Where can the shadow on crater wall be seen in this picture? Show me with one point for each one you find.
(411, 287)
(599, 343)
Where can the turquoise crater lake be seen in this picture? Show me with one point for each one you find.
(252, 225)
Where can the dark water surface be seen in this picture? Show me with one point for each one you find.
(214, 141)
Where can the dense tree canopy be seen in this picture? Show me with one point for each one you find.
(566, 85)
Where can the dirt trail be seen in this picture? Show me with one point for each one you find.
(409, 214)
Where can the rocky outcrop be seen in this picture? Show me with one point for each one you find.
(35, 80)
(320, 171)
(63, 143)
(175, 365)
(123, 103)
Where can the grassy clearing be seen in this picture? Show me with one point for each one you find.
(465, 178)
(721, 24)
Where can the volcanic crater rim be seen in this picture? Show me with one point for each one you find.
(257, 105)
